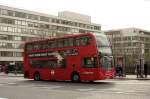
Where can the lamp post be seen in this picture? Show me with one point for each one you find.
(142, 60)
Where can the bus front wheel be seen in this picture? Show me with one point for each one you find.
(75, 77)
(37, 77)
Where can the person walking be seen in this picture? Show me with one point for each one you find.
(137, 70)
(15, 69)
(6, 69)
(145, 70)
(119, 70)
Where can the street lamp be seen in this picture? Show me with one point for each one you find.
(142, 59)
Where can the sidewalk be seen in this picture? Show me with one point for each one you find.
(133, 77)
(11, 75)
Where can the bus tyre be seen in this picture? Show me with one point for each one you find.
(37, 77)
(75, 77)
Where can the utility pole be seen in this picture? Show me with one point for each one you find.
(142, 60)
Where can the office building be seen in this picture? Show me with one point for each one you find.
(18, 26)
(130, 45)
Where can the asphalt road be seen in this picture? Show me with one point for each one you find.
(20, 88)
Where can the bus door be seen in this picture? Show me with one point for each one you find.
(52, 68)
(89, 68)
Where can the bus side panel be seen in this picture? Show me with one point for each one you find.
(26, 68)
(92, 75)
(60, 74)
(45, 74)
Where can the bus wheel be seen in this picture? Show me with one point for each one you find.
(37, 77)
(75, 77)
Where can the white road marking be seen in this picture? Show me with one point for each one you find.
(88, 89)
(3, 98)
(133, 92)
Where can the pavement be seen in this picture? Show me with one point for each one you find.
(11, 75)
(133, 77)
(20, 88)
(127, 77)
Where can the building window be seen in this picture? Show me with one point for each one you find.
(135, 38)
(142, 38)
(30, 24)
(4, 28)
(7, 21)
(17, 38)
(3, 37)
(42, 18)
(15, 30)
(10, 21)
(6, 12)
(24, 23)
(3, 45)
(45, 26)
(19, 30)
(10, 29)
(33, 17)
(15, 45)
(20, 14)
(97, 27)
(19, 22)
(36, 25)
(17, 54)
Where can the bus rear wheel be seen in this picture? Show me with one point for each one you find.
(37, 77)
(75, 77)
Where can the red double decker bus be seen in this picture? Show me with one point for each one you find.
(74, 57)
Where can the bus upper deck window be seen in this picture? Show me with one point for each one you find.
(53, 44)
(85, 41)
(49, 44)
(60, 43)
(71, 41)
(66, 43)
(77, 41)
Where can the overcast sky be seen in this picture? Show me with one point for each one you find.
(111, 14)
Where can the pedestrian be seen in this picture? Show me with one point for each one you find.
(15, 69)
(120, 71)
(138, 73)
(3, 68)
(6, 69)
(145, 70)
(117, 70)
(0, 68)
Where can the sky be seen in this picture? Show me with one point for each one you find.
(111, 14)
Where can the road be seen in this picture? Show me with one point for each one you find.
(20, 88)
